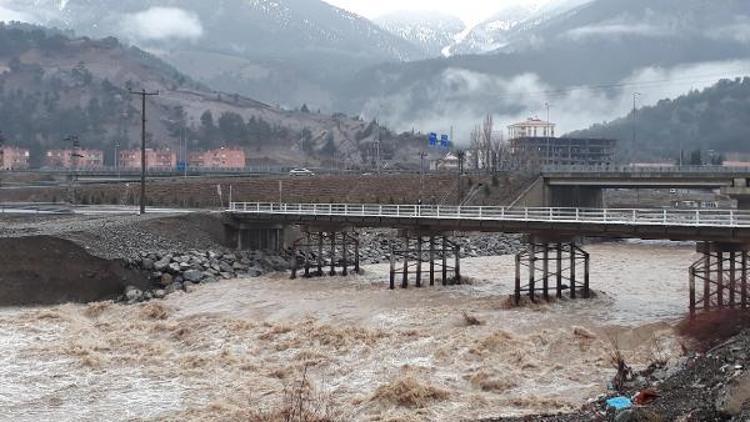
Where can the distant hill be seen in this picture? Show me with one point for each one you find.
(286, 52)
(601, 42)
(432, 32)
(52, 86)
(712, 119)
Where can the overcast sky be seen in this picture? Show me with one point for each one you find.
(471, 11)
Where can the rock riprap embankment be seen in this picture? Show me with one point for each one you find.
(177, 271)
(375, 245)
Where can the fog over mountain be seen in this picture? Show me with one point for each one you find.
(661, 49)
(288, 52)
(585, 57)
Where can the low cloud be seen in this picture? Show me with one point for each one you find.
(8, 15)
(739, 32)
(615, 30)
(461, 98)
(163, 23)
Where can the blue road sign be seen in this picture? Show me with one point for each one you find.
(445, 141)
(181, 166)
(433, 139)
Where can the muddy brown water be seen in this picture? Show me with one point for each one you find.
(233, 350)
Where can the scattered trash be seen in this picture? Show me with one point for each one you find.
(645, 396)
(619, 403)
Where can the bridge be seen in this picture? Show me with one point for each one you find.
(584, 185)
(553, 256)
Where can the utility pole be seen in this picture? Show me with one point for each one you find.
(636, 95)
(117, 158)
(185, 159)
(422, 156)
(379, 146)
(143, 93)
(74, 156)
(461, 154)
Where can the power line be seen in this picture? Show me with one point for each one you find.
(602, 87)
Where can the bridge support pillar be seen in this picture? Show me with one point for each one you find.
(310, 252)
(255, 237)
(547, 264)
(414, 253)
(723, 271)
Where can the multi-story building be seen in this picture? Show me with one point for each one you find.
(78, 158)
(533, 127)
(533, 142)
(13, 158)
(221, 158)
(155, 158)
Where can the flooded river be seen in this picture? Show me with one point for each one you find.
(239, 350)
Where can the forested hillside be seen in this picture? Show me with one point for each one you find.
(713, 119)
(53, 86)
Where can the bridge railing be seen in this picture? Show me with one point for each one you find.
(673, 217)
(645, 170)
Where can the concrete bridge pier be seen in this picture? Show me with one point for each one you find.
(331, 248)
(424, 257)
(268, 237)
(547, 263)
(723, 272)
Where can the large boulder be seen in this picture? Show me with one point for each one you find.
(133, 294)
(176, 286)
(166, 279)
(162, 264)
(193, 276)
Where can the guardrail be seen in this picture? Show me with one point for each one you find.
(646, 170)
(650, 217)
(34, 209)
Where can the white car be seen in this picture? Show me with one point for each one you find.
(301, 172)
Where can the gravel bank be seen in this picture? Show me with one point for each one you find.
(713, 385)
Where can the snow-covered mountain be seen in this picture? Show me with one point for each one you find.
(428, 30)
(501, 29)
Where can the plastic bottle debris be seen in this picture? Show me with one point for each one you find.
(619, 403)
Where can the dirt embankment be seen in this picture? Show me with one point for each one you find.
(45, 270)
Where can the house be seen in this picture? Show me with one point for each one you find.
(155, 158)
(447, 163)
(14, 158)
(78, 158)
(220, 158)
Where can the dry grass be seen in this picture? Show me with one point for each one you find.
(155, 311)
(487, 382)
(275, 330)
(96, 309)
(583, 333)
(471, 320)
(617, 360)
(301, 403)
(498, 341)
(409, 392)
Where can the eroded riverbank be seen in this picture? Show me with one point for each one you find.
(234, 350)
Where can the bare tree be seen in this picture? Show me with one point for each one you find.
(475, 147)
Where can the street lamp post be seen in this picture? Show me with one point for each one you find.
(636, 95)
(117, 158)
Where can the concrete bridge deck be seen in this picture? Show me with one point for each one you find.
(673, 224)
